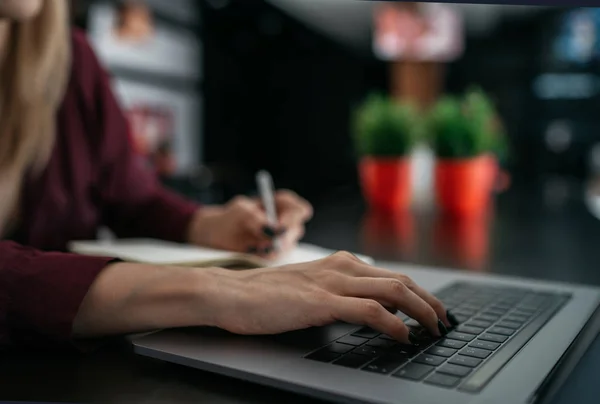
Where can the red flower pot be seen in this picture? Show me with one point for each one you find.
(386, 183)
(465, 186)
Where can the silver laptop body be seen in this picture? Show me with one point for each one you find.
(280, 362)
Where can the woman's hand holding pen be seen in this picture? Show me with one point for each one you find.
(242, 225)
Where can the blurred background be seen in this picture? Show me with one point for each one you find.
(218, 89)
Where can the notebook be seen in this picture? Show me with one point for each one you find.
(159, 252)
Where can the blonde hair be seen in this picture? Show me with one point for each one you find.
(35, 73)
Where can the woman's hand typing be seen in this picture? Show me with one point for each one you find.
(131, 298)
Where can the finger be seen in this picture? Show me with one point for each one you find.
(290, 238)
(398, 294)
(266, 250)
(293, 210)
(252, 218)
(372, 314)
(351, 265)
(431, 300)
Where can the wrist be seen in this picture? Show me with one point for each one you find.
(219, 296)
(203, 296)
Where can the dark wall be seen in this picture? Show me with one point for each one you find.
(279, 97)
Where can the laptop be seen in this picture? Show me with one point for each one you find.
(516, 339)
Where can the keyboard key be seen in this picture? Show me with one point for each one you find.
(352, 361)
(493, 337)
(350, 340)
(406, 351)
(368, 351)
(443, 380)
(461, 319)
(425, 340)
(524, 312)
(487, 318)
(501, 331)
(527, 308)
(465, 361)
(490, 346)
(501, 306)
(366, 332)
(469, 330)
(516, 318)
(450, 303)
(470, 306)
(451, 343)
(402, 316)
(441, 351)
(460, 336)
(478, 301)
(454, 370)
(429, 360)
(381, 343)
(339, 348)
(385, 364)
(475, 352)
(509, 324)
(413, 323)
(460, 311)
(323, 355)
(479, 323)
(495, 312)
(414, 371)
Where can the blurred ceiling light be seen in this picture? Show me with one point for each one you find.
(571, 86)
(559, 136)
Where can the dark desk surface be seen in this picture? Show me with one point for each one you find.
(544, 231)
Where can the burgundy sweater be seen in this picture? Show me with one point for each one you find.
(93, 178)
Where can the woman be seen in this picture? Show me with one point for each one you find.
(66, 166)
(66, 163)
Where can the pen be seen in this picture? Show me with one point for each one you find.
(266, 189)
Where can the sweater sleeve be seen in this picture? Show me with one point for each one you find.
(41, 292)
(134, 202)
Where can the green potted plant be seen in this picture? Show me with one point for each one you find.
(385, 132)
(467, 138)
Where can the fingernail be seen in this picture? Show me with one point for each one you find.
(269, 232)
(442, 328)
(452, 319)
(412, 337)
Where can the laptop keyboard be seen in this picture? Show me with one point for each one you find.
(495, 323)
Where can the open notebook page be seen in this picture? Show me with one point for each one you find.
(166, 253)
